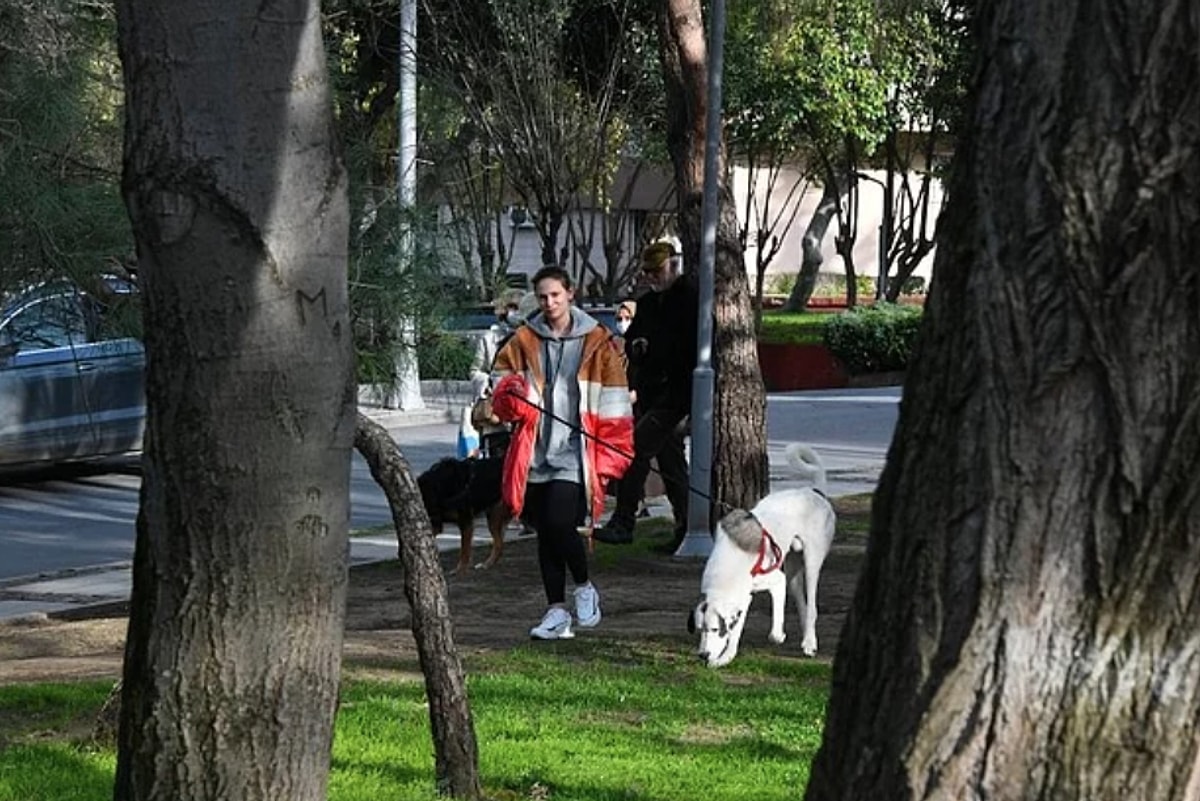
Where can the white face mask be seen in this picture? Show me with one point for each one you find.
(514, 318)
(622, 326)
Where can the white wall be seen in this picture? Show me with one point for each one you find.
(526, 245)
(870, 217)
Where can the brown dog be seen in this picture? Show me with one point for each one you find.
(458, 491)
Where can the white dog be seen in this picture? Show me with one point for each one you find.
(750, 555)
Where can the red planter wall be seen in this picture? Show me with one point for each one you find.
(787, 367)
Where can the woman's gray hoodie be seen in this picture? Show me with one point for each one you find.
(558, 451)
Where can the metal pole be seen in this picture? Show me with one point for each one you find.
(408, 383)
(698, 540)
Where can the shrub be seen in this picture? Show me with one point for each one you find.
(874, 339)
(779, 283)
(833, 285)
(444, 356)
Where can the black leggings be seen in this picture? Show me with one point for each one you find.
(556, 509)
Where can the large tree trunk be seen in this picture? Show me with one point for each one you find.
(1026, 625)
(456, 755)
(238, 203)
(814, 235)
(740, 475)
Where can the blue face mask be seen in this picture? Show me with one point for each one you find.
(514, 318)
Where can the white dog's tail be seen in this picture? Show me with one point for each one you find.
(806, 464)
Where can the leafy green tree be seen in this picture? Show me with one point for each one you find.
(60, 142)
(547, 87)
(929, 38)
(362, 45)
(766, 129)
(809, 86)
(842, 49)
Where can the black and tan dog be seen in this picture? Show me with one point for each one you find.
(458, 491)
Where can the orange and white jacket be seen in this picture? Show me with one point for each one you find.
(605, 413)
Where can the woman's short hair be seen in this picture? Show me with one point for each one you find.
(555, 272)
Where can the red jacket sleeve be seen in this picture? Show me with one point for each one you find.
(510, 400)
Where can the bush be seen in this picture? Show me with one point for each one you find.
(833, 285)
(874, 339)
(444, 356)
(779, 283)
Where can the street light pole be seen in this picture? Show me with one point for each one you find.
(407, 395)
(698, 540)
(885, 233)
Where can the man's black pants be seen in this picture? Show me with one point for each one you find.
(656, 434)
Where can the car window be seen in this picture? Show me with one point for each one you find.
(116, 308)
(478, 318)
(55, 321)
(606, 317)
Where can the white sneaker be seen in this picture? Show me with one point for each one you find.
(587, 606)
(555, 625)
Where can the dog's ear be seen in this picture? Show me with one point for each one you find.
(743, 529)
(696, 612)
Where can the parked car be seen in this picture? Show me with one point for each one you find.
(72, 375)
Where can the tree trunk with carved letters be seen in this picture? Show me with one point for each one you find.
(1026, 624)
(740, 475)
(237, 197)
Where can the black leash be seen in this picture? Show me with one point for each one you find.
(579, 429)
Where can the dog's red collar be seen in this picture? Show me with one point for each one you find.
(762, 567)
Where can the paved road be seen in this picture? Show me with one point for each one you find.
(80, 517)
(73, 521)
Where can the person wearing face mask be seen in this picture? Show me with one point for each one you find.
(508, 317)
(624, 318)
(624, 314)
(660, 346)
(478, 434)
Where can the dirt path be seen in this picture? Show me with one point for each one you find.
(643, 596)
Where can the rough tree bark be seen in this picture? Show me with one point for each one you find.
(740, 475)
(814, 235)
(237, 198)
(1026, 625)
(456, 753)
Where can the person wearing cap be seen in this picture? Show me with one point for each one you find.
(660, 346)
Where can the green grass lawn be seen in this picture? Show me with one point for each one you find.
(586, 719)
(590, 719)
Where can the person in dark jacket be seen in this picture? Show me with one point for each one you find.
(661, 348)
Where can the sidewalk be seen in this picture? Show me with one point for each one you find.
(108, 585)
